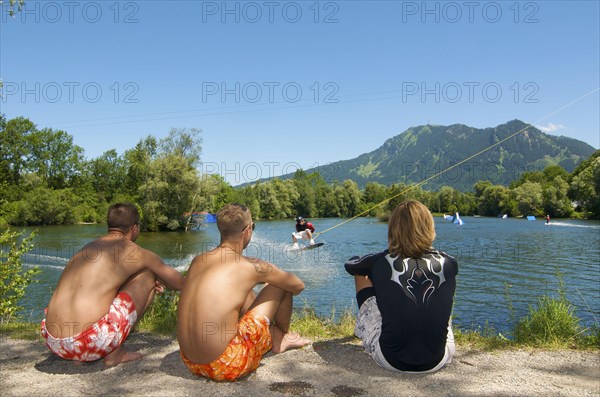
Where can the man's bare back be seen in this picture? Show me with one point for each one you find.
(219, 291)
(217, 286)
(90, 283)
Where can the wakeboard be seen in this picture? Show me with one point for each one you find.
(309, 247)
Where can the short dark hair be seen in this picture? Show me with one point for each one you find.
(122, 216)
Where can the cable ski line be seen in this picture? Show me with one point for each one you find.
(411, 187)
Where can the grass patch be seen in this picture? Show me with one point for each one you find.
(484, 339)
(20, 330)
(551, 323)
(161, 316)
(315, 327)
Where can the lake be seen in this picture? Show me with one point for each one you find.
(494, 256)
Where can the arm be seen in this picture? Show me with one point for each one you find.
(165, 274)
(267, 272)
(361, 265)
(310, 226)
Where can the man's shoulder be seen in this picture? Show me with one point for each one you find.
(222, 261)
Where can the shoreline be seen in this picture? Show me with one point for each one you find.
(434, 214)
(337, 367)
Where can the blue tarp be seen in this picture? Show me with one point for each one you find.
(531, 218)
(210, 218)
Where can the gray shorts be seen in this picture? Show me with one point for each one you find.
(368, 329)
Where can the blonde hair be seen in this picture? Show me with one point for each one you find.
(232, 219)
(410, 230)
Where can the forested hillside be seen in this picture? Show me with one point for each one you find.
(45, 179)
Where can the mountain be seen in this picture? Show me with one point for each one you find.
(423, 152)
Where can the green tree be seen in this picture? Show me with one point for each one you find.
(585, 186)
(45, 206)
(374, 194)
(534, 177)
(556, 202)
(397, 193)
(480, 186)
(305, 204)
(168, 193)
(213, 194)
(172, 184)
(14, 279)
(108, 175)
(14, 148)
(54, 157)
(185, 143)
(553, 171)
(137, 162)
(270, 208)
(287, 194)
(248, 196)
(449, 199)
(495, 200)
(529, 196)
(348, 198)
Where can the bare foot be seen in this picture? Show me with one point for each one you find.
(291, 340)
(121, 355)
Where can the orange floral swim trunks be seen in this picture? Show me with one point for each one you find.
(242, 355)
(100, 338)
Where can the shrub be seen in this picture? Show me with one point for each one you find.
(14, 279)
(551, 324)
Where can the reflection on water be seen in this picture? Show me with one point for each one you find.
(494, 256)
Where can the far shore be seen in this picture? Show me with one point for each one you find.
(435, 214)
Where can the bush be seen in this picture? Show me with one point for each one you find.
(551, 324)
(14, 279)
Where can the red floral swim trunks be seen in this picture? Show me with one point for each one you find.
(100, 338)
(242, 355)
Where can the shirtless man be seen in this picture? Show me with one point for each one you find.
(223, 328)
(105, 288)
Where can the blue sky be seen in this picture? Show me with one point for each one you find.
(278, 85)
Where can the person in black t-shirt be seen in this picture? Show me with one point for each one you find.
(405, 295)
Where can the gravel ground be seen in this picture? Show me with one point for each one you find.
(329, 368)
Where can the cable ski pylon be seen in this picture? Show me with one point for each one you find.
(411, 187)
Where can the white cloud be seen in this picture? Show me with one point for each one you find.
(550, 127)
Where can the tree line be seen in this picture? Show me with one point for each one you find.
(45, 179)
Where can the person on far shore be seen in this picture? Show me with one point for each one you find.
(304, 230)
(103, 291)
(405, 295)
(223, 327)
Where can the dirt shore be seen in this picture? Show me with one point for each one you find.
(329, 368)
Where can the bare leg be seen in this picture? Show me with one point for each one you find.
(140, 288)
(361, 282)
(276, 304)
